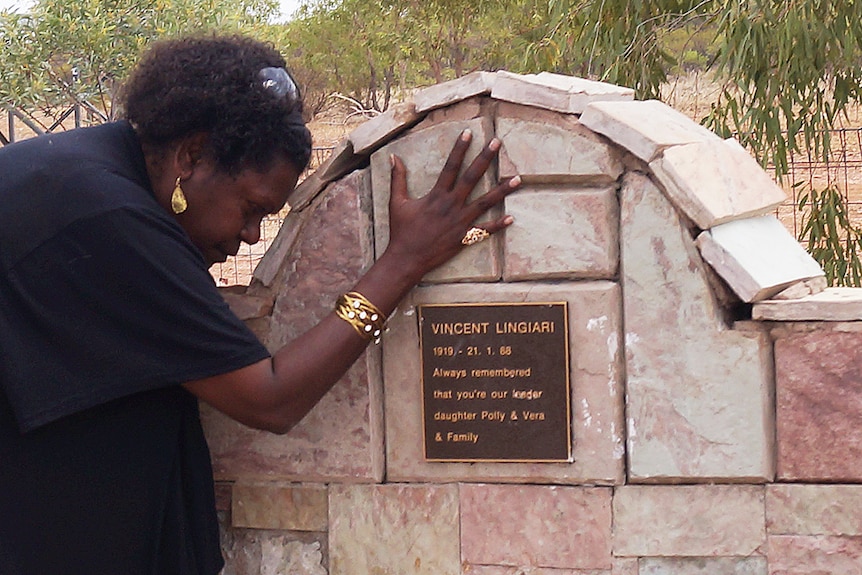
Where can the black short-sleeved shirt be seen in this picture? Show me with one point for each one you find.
(105, 309)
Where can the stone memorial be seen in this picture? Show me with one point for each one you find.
(699, 383)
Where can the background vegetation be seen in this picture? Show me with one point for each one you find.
(787, 69)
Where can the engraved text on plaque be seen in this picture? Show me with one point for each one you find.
(495, 382)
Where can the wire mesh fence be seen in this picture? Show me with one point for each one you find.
(840, 169)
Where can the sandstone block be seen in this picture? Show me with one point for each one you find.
(819, 406)
(794, 555)
(803, 289)
(339, 162)
(596, 393)
(526, 570)
(223, 494)
(578, 538)
(813, 509)
(424, 153)
(688, 520)
(757, 257)
(394, 529)
(697, 180)
(279, 506)
(341, 438)
(645, 128)
(832, 304)
(376, 131)
(703, 566)
(264, 552)
(547, 147)
(570, 233)
(554, 91)
(246, 306)
(446, 93)
(699, 394)
(270, 265)
(625, 566)
(463, 111)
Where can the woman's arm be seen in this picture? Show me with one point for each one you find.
(275, 394)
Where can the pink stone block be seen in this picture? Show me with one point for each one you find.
(688, 520)
(755, 565)
(699, 395)
(245, 306)
(460, 112)
(378, 130)
(794, 509)
(555, 91)
(546, 147)
(569, 233)
(341, 438)
(262, 552)
(823, 555)
(625, 566)
(393, 529)
(542, 526)
(223, 492)
(507, 570)
(447, 93)
(819, 407)
(279, 506)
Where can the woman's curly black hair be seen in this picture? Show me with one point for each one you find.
(211, 84)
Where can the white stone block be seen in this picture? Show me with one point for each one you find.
(715, 181)
(757, 257)
(832, 304)
(555, 92)
(447, 93)
(645, 128)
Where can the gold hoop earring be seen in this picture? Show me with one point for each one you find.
(178, 199)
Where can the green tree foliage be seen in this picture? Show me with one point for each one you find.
(370, 52)
(63, 52)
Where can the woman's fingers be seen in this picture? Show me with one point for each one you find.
(449, 174)
(477, 168)
(398, 184)
(493, 197)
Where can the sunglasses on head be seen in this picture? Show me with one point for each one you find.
(279, 83)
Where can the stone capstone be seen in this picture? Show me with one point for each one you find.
(730, 186)
(757, 257)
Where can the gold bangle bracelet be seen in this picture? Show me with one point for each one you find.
(366, 319)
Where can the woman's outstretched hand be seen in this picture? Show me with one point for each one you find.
(426, 232)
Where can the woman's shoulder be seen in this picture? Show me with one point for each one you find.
(70, 178)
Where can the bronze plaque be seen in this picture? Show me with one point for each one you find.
(495, 382)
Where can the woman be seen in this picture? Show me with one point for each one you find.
(111, 328)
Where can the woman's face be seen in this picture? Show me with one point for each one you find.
(225, 210)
